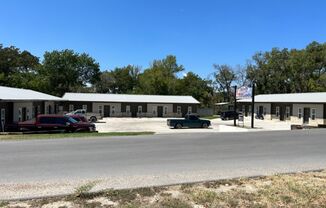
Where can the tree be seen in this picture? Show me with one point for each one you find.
(17, 69)
(68, 71)
(160, 78)
(290, 71)
(224, 78)
(192, 84)
(120, 80)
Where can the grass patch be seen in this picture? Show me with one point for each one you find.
(288, 190)
(210, 117)
(70, 135)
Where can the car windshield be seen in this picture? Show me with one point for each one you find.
(71, 120)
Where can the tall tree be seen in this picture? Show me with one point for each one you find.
(120, 80)
(67, 71)
(224, 78)
(17, 68)
(160, 78)
(192, 84)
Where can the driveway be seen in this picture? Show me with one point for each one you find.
(159, 126)
(47, 167)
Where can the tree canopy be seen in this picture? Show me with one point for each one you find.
(275, 71)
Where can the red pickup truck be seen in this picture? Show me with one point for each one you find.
(55, 123)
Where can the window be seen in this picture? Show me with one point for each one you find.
(71, 108)
(154, 110)
(27, 114)
(19, 114)
(178, 110)
(3, 115)
(165, 110)
(113, 109)
(299, 113)
(189, 109)
(313, 114)
(287, 112)
(140, 109)
(85, 107)
(128, 109)
(277, 111)
(100, 109)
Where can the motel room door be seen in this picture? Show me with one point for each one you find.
(306, 115)
(159, 111)
(106, 111)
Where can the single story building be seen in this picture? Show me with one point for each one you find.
(23, 104)
(297, 108)
(124, 105)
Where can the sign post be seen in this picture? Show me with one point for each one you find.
(235, 106)
(253, 105)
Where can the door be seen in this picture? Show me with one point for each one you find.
(23, 114)
(306, 115)
(160, 111)
(106, 111)
(261, 110)
(282, 112)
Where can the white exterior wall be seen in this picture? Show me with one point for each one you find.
(150, 109)
(266, 106)
(20, 105)
(117, 108)
(319, 114)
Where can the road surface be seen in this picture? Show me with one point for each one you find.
(121, 162)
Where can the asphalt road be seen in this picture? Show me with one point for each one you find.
(182, 156)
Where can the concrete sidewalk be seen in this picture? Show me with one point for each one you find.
(159, 126)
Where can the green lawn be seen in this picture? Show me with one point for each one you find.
(70, 135)
(210, 117)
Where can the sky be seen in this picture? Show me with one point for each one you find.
(199, 33)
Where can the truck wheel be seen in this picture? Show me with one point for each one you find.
(204, 125)
(93, 119)
(178, 126)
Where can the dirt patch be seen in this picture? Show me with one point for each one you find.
(288, 190)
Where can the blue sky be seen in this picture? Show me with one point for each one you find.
(199, 32)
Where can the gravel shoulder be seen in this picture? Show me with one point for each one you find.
(303, 189)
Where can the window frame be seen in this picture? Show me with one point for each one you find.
(128, 109)
(179, 110)
(140, 109)
(165, 110)
(313, 115)
(189, 110)
(277, 111)
(71, 107)
(299, 113)
(287, 112)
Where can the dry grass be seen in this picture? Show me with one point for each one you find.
(289, 190)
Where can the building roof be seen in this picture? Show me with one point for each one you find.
(17, 94)
(96, 97)
(312, 97)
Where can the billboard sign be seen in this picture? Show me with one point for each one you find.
(244, 92)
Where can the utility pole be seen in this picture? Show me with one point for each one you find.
(235, 106)
(253, 104)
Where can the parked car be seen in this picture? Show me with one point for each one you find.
(92, 117)
(79, 118)
(228, 115)
(55, 123)
(190, 121)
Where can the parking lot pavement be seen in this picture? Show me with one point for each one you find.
(159, 126)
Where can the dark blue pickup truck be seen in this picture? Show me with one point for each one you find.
(190, 121)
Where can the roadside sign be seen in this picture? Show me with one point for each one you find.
(244, 92)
